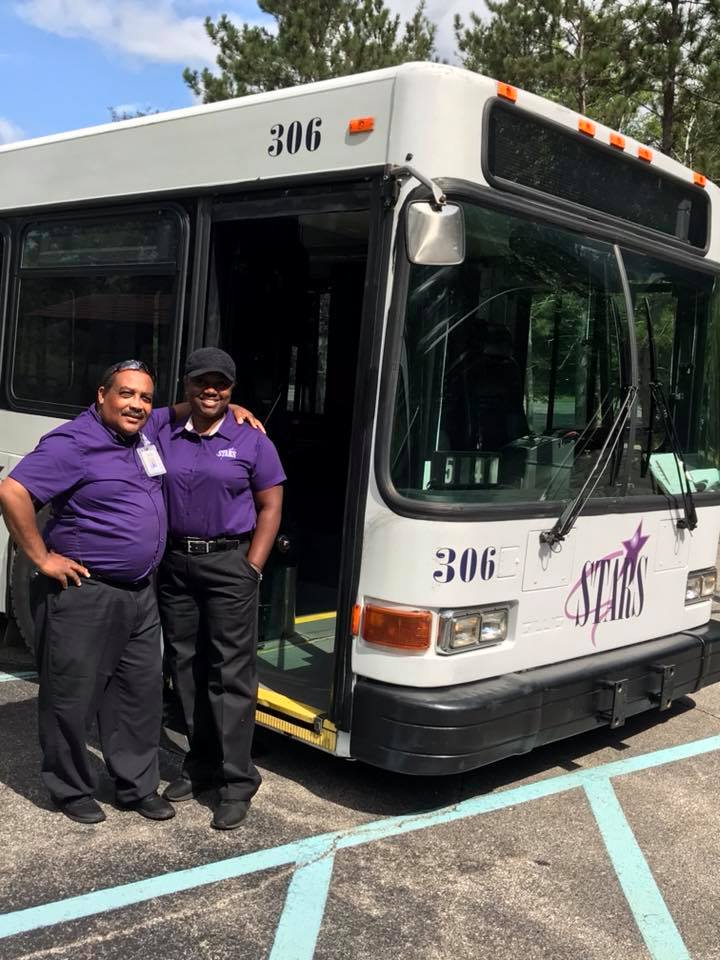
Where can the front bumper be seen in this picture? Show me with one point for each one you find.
(444, 730)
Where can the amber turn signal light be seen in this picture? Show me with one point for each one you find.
(361, 125)
(400, 629)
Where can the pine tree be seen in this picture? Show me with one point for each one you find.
(650, 69)
(672, 63)
(563, 49)
(312, 40)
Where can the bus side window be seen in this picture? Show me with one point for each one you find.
(92, 290)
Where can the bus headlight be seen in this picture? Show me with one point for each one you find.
(470, 629)
(700, 585)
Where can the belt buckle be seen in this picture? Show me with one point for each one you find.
(198, 546)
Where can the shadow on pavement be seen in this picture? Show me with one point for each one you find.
(20, 757)
(371, 790)
(350, 784)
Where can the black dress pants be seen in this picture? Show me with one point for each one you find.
(209, 610)
(99, 657)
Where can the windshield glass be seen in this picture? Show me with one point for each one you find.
(512, 369)
(676, 325)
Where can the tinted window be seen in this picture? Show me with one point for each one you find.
(92, 293)
(146, 239)
(523, 150)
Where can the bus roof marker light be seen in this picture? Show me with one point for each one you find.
(699, 179)
(507, 92)
(586, 126)
(361, 125)
(645, 154)
(394, 627)
(617, 141)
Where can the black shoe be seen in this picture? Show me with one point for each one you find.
(153, 806)
(82, 810)
(230, 814)
(184, 789)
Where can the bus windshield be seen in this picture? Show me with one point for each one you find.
(515, 363)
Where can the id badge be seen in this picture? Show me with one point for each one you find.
(151, 461)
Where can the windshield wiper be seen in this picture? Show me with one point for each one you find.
(689, 521)
(572, 511)
(659, 400)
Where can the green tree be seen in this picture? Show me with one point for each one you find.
(562, 49)
(312, 40)
(650, 68)
(672, 67)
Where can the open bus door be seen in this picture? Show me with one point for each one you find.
(285, 298)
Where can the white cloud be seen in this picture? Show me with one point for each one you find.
(172, 31)
(9, 131)
(156, 32)
(131, 108)
(442, 13)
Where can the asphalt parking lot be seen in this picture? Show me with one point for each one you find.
(605, 846)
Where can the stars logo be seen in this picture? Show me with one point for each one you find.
(634, 545)
(611, 587)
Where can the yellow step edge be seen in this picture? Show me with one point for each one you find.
(312, 617)
(325, 740)
(292, 708)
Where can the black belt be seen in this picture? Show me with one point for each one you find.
(214, 545)
(122, 584)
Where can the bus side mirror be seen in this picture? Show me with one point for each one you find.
(435, 235)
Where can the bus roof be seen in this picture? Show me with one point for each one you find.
(425, 113)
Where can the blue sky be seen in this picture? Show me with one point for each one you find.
(64, 63)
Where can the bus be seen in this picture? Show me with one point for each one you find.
(483, 332)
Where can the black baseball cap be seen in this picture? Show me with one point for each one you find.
(210, 360)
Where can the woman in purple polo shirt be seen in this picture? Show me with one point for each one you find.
(224, 498)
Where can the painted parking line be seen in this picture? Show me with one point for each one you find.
(650, 911)
(18, 675)
(300, 921)
(113, 898)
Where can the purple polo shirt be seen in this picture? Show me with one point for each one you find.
(106, 512)
(211, 480)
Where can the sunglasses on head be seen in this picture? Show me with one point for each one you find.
(131, 365)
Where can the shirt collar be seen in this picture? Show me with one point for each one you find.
(221, 427)
(118, 437)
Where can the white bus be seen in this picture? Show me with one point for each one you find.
(484, 333)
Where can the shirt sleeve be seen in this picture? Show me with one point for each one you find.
(53, 467)
(159, 418)
(268, 471)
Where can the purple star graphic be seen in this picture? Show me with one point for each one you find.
(634, 545)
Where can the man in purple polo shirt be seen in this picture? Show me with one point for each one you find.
(96, 613)
(224, 499)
